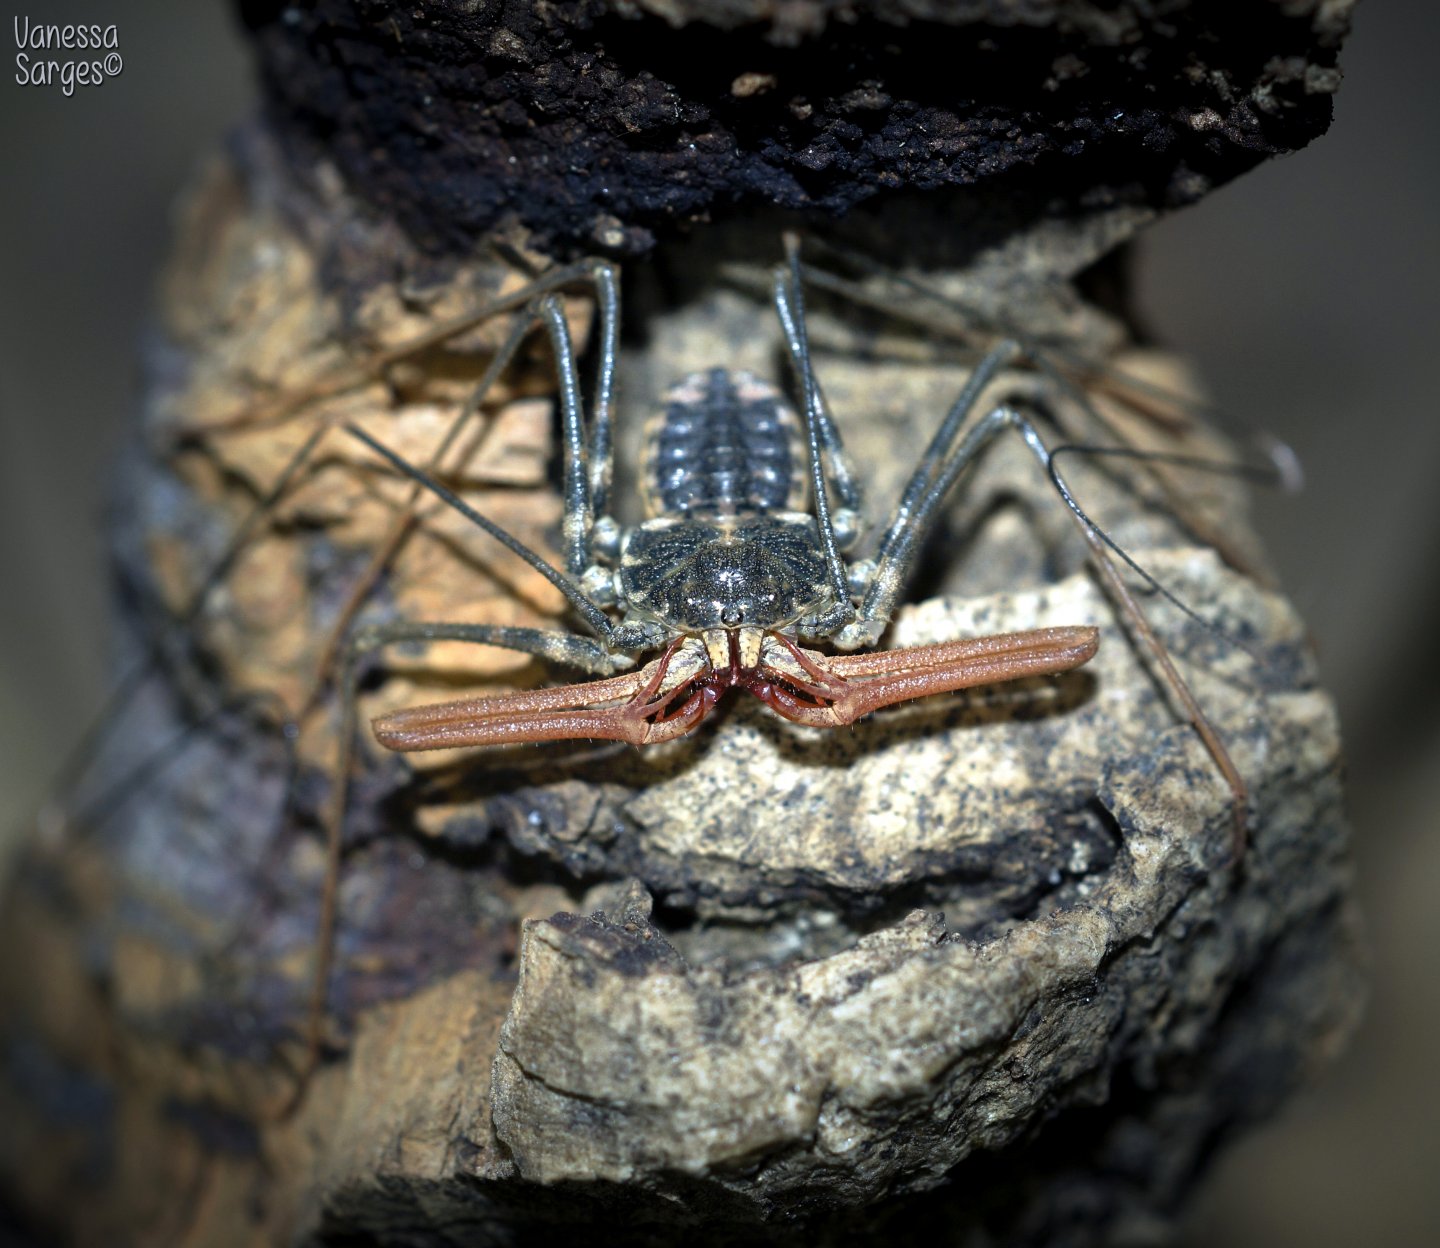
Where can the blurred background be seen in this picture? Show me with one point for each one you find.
(1307, 291)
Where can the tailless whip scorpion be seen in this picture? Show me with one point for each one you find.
(744, 565)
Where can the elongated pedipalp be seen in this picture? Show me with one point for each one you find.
(819, 690)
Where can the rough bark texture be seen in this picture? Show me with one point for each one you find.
(600, 124)
(978, 968)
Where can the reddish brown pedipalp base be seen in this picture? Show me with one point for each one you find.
(821, 691)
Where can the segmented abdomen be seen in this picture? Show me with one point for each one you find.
(725, 444)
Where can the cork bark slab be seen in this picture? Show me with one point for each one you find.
(980, 968)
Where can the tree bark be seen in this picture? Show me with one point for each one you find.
(981, 968)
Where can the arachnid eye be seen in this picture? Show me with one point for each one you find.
(732, 617)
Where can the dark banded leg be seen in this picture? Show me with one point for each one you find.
(557, 647)
(943, 471)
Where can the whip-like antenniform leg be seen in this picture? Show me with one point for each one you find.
(945, 459)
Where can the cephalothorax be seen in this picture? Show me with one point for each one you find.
(739, 561)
